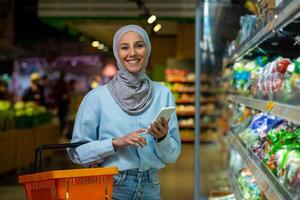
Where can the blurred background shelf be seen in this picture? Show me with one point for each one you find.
(206, 136)
(203, 125)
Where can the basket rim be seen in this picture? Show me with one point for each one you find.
(71, 173)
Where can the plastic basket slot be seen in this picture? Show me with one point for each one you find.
(88, 180)
(37, 190)
(41, 185)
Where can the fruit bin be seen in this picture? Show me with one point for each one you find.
(75, 184)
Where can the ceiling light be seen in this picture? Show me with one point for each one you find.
(151, 19)
(157, 28)
(101, 46)
(95, 43)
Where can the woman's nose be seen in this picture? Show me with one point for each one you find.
(132, 52)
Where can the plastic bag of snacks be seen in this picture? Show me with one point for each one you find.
(292, 176)
(278, 73)
(289, 169)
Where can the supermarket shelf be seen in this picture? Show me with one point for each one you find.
(192, 140)
(192, 113)
(234, 185)
(187, 126)
(287, 12)
(186, 90)
(209, 90)
(185, 113)
(206, 137)
(187, 140)
(181, 81)
(263, 176)
(203, 79)
(185, 101)
(179, 101)
(207, 126)
(209, 101)
(284, 111)
(203, 90)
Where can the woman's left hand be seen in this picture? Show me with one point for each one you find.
(159, 129)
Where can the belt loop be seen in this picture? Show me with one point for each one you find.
(149, 175)
(123, 177)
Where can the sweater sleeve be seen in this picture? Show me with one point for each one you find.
(169, 148)
(86, 129)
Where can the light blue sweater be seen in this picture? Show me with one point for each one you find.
(100, 119)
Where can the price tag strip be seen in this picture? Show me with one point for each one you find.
(284, 111)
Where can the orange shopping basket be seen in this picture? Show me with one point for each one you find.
(74, 184)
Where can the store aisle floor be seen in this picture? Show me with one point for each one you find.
(177, 180)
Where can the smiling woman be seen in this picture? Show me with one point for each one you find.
(113, 119)
(132, 52)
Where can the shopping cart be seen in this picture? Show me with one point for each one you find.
(75, 184)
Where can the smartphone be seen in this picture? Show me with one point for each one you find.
(165, 112)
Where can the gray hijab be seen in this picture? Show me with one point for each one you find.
(132, 91)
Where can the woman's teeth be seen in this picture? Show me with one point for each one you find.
(132, 61)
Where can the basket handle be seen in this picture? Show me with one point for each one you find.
(39, 152)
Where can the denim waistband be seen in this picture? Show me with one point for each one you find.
(136, 172)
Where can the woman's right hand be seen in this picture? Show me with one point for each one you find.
(132, 138)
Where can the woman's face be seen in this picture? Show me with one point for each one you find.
(132, 52)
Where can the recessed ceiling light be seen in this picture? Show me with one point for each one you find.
(151, 19)
(157, 27)
(95, 43)
(101, 46)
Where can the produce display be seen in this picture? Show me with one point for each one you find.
(22, 115)
(249, 190)
(184, 97)
(186, 122)
(263, 72)
(266, 76)
(180, 87)
(275, 142)
(248, 186)
(6, 115)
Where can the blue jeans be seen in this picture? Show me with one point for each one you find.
(135, 185)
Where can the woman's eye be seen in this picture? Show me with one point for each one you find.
(140, 45)
(124, 47)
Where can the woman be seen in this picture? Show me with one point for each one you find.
(114, 118)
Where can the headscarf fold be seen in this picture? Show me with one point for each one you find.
(132, 91)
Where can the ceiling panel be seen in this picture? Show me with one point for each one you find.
(116, 8)
(99, 19)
